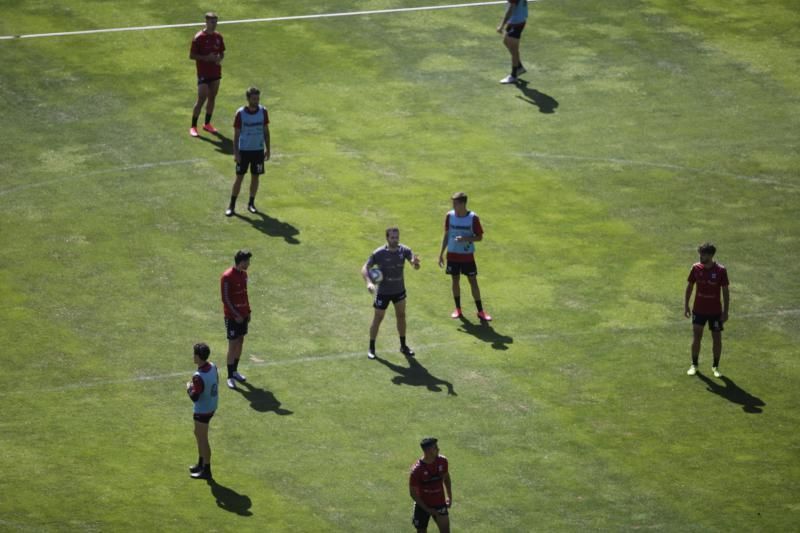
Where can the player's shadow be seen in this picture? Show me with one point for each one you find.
(230, 500)
(261, 400)
(223, 144)
(417, 375)
(546, 103)
(485, 332)
(734, 394)
(272, 227)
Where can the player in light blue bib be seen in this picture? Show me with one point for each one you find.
(203, 390)
(514, 20)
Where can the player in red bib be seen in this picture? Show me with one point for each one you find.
(207, 51)
(235, 303)
(711, 280)
(429, 478)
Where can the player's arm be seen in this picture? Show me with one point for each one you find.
(412, 258)
(365, 275)
(194, 388)
(726, 300)
(226, 300)
(236, 134)
(414, 492)
(507, 15)
(448, 486)
(444, 247)
(687, 296)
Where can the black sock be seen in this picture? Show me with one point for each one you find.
(233, 202)
(231, 370)
(479, 305)
(695, 360)
(372, 346)
(236, 365)
(194, 120)
(402, 342)
(208, 118)
(252, 200)
(716, 362)
(458, 301)
(514, 71)
(200, 460)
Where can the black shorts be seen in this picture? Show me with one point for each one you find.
(234, 330)
(203, 418)
(420, 517)
(250, 158)
(382, 301)
(455, 269)
(714, 321)
(203, 80)
(514, 30)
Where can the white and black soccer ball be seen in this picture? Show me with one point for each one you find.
(375, 275)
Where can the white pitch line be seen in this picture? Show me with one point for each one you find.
(352, 355)
(249, 21)
(126, 168)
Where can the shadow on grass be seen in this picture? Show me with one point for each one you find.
(417, 375)
(272, 226)
(262, 400)
(485, 332)
(734, 394)
(223, 144)
(230, 500)
(546, 103)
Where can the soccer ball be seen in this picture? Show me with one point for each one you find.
(375, 275)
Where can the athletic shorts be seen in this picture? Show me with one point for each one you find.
(203, 80)
(455, 268)
(514, 30)
(714, 321)
(203, 418)
(382, 301)
(234, 330)
(420, 517)
(250, 158)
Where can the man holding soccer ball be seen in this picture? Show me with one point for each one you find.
(385, 267)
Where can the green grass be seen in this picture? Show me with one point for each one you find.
(675, 123)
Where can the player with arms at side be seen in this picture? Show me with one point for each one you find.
(207, 51)
(462, 228)
(390, 259)
(204, 392)
(236, 305)
(514, 20)
(251, 146)
(429, 478)
(711, 280)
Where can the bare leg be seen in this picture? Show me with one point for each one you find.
(400, 313)
(235, 349)
(716, 337)
(697, 332)
(203, 447)
(202, 95)
(376, 323)
(237, 185)
(213, 89)
(473, 283)
(254, 179)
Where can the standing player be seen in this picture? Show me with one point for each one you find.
(514, 22)
(711, 279)
(233, 287)
(203, 390)
(429, 477)
(250, 146)
(462, 229)
(208, 50)
(390, 260)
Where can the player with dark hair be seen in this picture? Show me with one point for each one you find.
(236, 305)
(462, 228)
(250, 146)
(390, 260)
(514, 20)
(203, 391)
(207, 51)
(429, 478)
(711, 280)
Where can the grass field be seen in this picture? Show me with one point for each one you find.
(644, 128)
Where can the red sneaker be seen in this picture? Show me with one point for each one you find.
(193, 132)
(483, 315)
(209, 128)
(456, 313)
